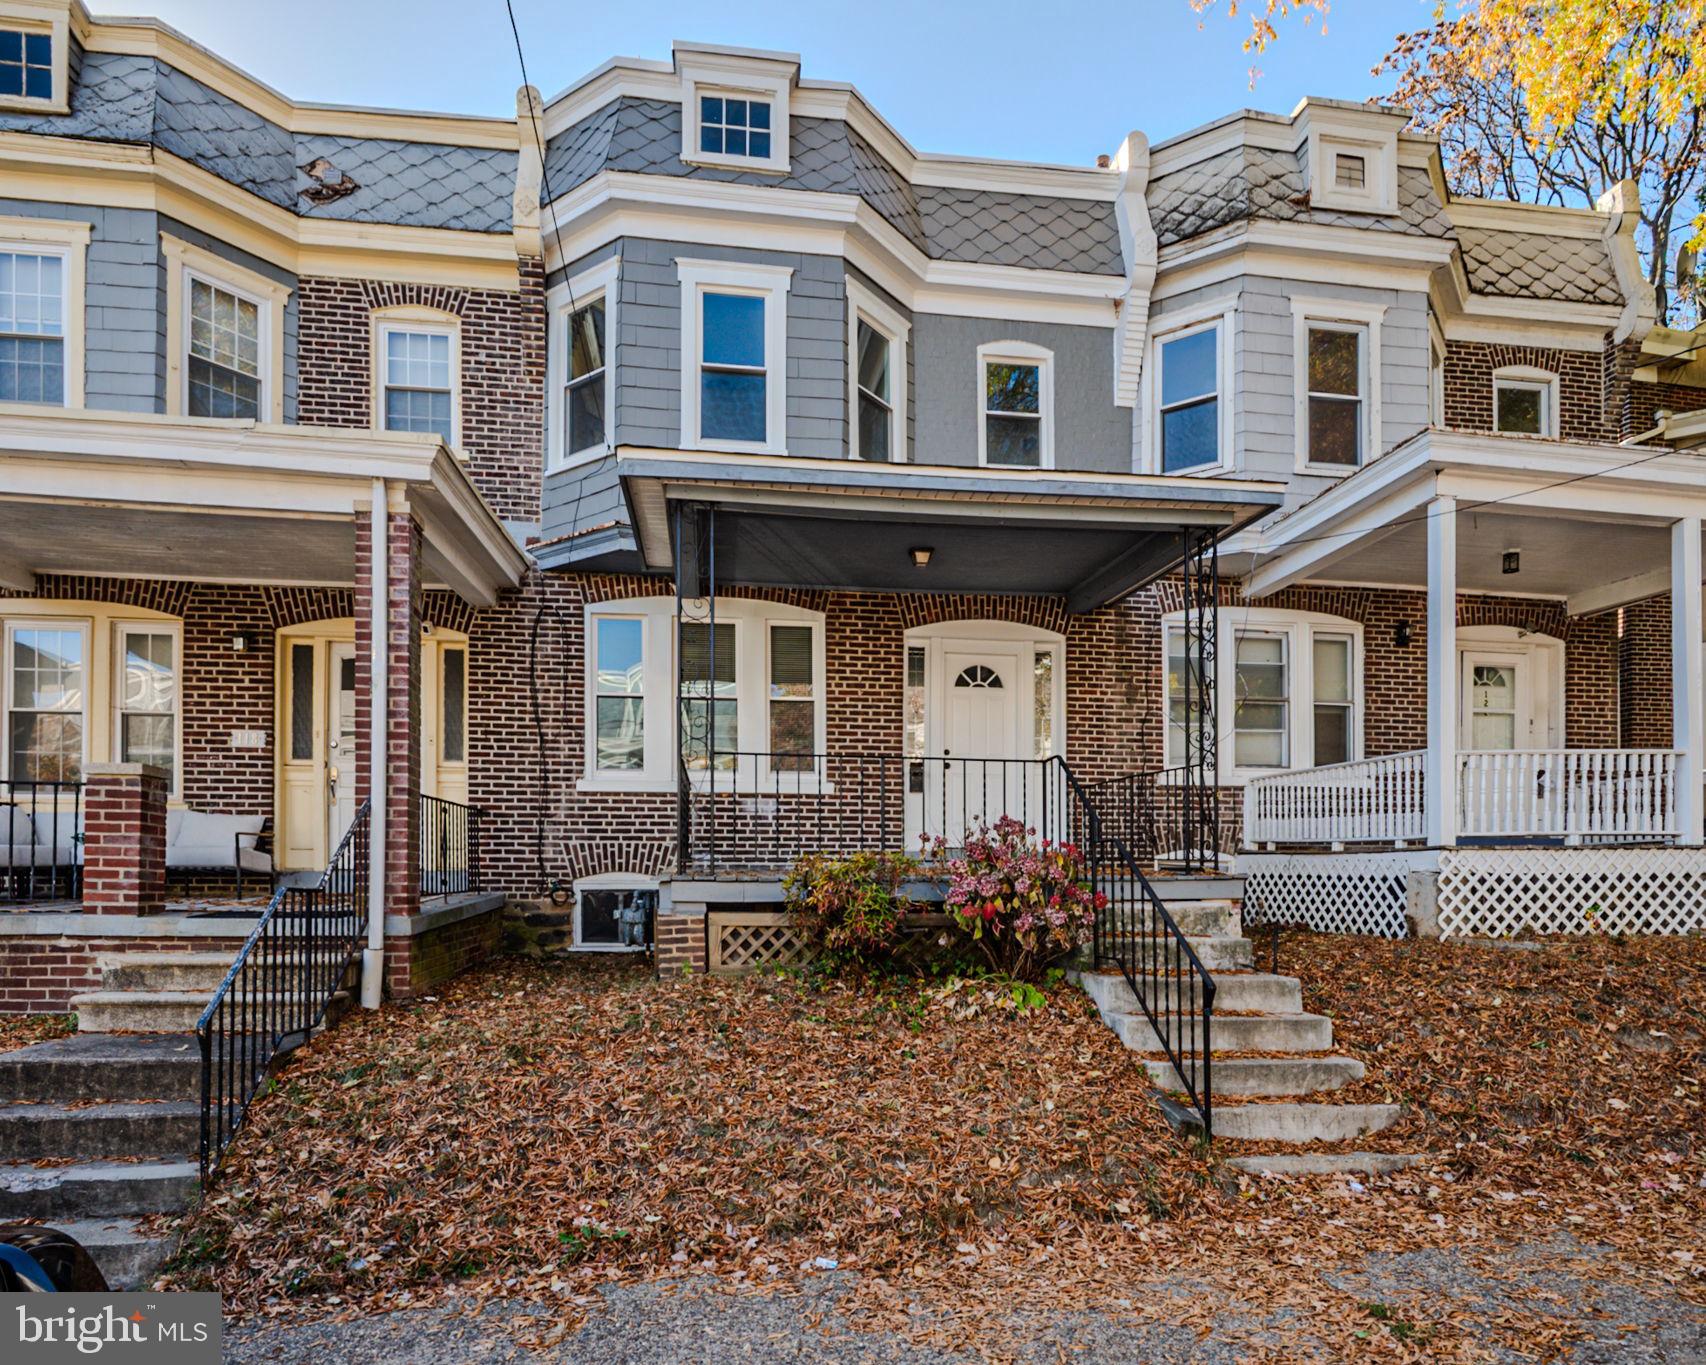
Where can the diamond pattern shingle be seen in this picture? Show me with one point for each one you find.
(416, 184)
(1532, 265)
(1021, 229)
(113, 101)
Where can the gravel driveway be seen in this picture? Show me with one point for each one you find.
(645, 1324)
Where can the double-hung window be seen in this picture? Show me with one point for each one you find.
(224, 336)
(585, 416)
(793, 698)
(1261, 720)
(710, 695)
(1016, 383)
(583, 314)
(734, 328)
(875, 414)
(224, 353)
(32, 326)
(1189, 413)
(46, 698)
(1337, 381)
(419, 367)
(148, 698)
(1334, 704)
(877, 340)
(619, 706)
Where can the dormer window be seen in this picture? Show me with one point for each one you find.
(26, 64)
(1350, 172)
(733, 126)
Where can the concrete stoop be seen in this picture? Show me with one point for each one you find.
(119, 1118)
(1283, 1055)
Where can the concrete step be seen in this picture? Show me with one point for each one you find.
(127, 1258)
(95, 1131)
(1301, 1122)
(1195, 918)
(102, 1066)
(1268, 1077)
(165, 971)
(1324, 1163)
(1171, 886)
(1217, 953)
(96, 1189)
(1234, 992)
(139, 1011)
(1234, 1033)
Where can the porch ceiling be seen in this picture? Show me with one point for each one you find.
(116, 494)
(790, 522)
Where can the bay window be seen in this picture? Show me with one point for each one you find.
(580, 375)
(224, 336)
(793, 698)
(1261, 724)
(710, 701)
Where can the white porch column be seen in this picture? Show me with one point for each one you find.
(1441, 781)
(1687, 734)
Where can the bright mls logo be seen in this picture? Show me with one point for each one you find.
(140, 1329)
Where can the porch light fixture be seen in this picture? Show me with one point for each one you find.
(242, 643)
(921, 555)
(1512, 562)
(1402, 634)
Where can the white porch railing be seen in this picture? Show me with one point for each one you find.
(1569, 794)
(1372, 800)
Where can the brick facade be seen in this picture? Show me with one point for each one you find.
(1587, 411)
(1644, 661)
(40, 973)
(124, 839)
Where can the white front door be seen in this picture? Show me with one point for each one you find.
(976, 772)
(1497, 706)
(340, 730)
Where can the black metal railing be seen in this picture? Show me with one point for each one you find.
(41, 842)
(285, 977)
(1136, 933)
(450, 847)
(1159, 816)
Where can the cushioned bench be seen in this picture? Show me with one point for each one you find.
(199, 841)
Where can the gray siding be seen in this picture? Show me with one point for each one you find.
(1090, 431)
(575, 499)
(123, 323)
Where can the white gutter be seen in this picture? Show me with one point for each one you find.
(379, 674)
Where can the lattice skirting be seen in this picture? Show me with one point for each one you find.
(1497, 893)
(1334, 893)
(741, 940)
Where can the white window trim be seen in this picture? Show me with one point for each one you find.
(741, 83)
(186, 262)
(607, 881)
(769, 282)
(58, 28)
(175, 629)
(70, 242)
(1528, 377)
(751, 619)
(1379, 191)
(561, 300)
(1017, 353)
(1176, 328)
(82, 627)
(1364, 319)
(1298, 628)
(1436, 372)
(415, 318)
(863, 305)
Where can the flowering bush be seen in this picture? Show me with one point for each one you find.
(850, 909)
(1023, 904)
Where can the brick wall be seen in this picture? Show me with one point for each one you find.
(1644, 662)
(40, 973)
(415, 965)
(503, 371)
(1583, 412)
(124, 847)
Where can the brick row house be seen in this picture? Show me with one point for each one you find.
(607, 505)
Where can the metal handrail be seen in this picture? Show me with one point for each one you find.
(279, 987)
(449, 846)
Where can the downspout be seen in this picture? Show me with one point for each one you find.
(379, 676)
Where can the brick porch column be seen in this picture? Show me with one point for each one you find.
(124, 839)
(403, 701)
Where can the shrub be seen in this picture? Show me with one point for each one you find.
(850, 909)
(1024, 905)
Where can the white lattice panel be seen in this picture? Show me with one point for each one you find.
(1498, 893)
(1334, 893)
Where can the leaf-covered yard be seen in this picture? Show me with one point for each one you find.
(538, 1132)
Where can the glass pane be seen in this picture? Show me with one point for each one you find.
(793, 730)
(1261, 667)
(758, 144)
(695, 741)
(1493, 731)
(710, 139)
(1043, 719)
(621, 657)
(1521, 409)
(46, 747)
(1349, 171)
(696, 661)
(1012, 388)
(710, 109)
(301, 702)
(734, 141)
(1332, 734)
(791, 661)
(1492, 688)
(873, 361)
(586, 414)
(1332, 655)
(217, 391)
(1334, 358)
(150, 681)
(875, 421)
(621, 736)
(732, 406)
(598, 915)
(1260, 738)
(734, 113)
(758, 113)
(31, 294)
(47, 669)
(1335, 431)
(586, 340)
(1188, 366)
(32, 370)
(733, 329)
(147, 739)
(914, 700)
(418, 410)
(1190, 436)
(455, 700)
(1016, 441)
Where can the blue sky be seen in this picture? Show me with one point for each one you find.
(1030, 81)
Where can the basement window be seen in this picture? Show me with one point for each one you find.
(614, 912)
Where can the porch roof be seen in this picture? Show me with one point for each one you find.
(137, 494)
(787, 521)
(1591, 521)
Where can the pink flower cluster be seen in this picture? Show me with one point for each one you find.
(1025, 903)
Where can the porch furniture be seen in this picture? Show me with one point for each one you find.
(200, 841)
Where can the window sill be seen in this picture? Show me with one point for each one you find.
(618, 784)
(585, 456)
(1335, 471)
(736, 447)
(763, 165)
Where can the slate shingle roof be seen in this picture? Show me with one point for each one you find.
(120, 98)
(1531, 265)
